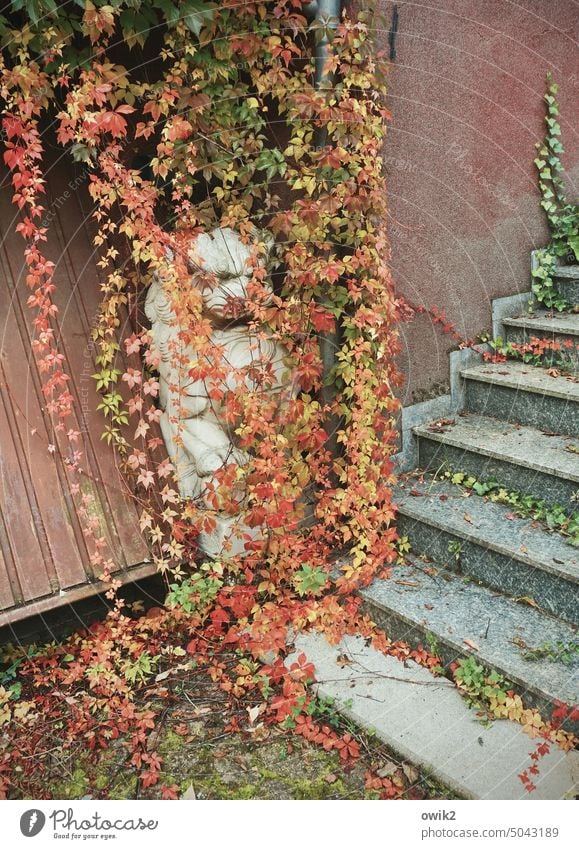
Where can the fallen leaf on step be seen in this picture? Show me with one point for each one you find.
(553, 372)
(415, 493)
(467, 518)
(471, 645)
(344, 660)
(440, 425)
(408, 583)
(429, 606)
(510, 516)
(526, 599)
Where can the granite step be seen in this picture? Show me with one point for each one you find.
(526, 394)
(476, 537)
(520, 458)
(561, 328)
(422, 602)
(567, 283)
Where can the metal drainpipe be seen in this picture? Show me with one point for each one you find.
(328, 12)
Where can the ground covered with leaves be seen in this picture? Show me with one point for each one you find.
(204, 743)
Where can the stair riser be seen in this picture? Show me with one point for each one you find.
(544, 412)
(495, 569)
(553, 489)
(569, 289)
(568, 356)
(398, 627)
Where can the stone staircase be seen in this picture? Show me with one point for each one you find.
(481, 581)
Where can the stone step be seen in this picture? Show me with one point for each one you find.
(520, 458)
(525, 394)
(422, 601)
(567, 283)
(476, 537)
(424, 719)
(561, 328)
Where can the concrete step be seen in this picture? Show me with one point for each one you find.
(425, 720)
(560, 328)
(567, 283)
(525, 394)
(476, 537)
(520, 458)
(421, 600)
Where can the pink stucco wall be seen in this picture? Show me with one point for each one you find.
(466, 94)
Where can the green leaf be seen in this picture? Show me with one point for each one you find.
(196, 14)
(309, 580)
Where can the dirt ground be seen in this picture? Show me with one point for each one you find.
(203, 759)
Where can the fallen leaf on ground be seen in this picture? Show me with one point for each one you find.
(253, 713)
(189, 793)
(162, 675)
(387, 769)
(411, 773)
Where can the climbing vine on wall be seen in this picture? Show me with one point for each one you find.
(226, 118)
(562, 214)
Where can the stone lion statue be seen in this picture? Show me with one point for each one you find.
(198, 439)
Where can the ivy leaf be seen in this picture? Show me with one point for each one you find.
(197, 13)
(170, 11)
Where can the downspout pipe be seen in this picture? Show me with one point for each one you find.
(327, 13)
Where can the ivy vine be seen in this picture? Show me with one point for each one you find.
(562, 215)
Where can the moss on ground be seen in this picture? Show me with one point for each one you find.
(273, 768)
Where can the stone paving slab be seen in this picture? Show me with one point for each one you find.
(425, 720)
(567, 272)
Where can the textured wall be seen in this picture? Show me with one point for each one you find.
(466, 96)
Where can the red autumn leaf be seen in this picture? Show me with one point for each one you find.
(170, 791)
(322, 320)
